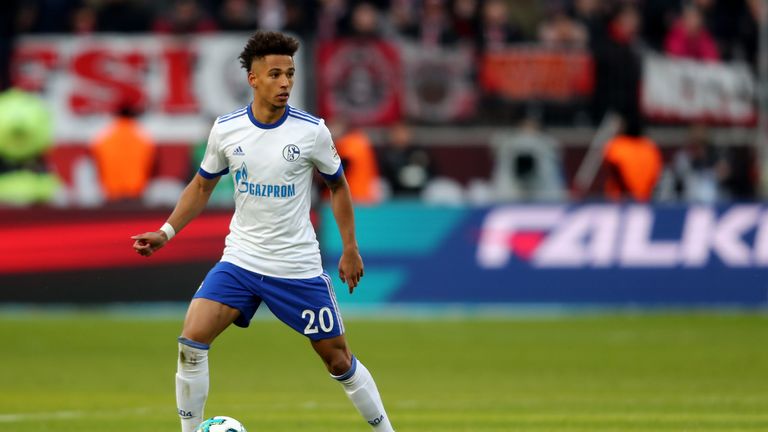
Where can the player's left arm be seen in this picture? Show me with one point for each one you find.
(351, 263)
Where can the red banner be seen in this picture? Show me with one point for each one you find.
(50, 240)
(359, 81)
(534, 73)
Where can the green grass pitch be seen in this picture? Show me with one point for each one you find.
(643, 372)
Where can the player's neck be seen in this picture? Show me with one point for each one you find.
(267, 114)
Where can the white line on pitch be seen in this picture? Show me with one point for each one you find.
(64, 415)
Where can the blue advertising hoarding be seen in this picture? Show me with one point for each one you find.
(591, 254)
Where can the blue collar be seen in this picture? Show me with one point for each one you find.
(268, 125)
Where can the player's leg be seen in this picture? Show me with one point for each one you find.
(355, 379)
(309, 306)
(223, 298)
(205, 320)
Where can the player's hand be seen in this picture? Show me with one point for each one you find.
(351, 268)
(146, 244)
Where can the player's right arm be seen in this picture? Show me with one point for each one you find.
(191, 202)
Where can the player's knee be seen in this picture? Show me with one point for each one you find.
(340, 363)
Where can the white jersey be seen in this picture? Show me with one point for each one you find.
(272, 165)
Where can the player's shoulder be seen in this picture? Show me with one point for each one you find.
(232, 118)
(304, 118)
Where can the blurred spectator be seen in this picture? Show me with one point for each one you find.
(46, 16)
(237, 15)
(25, 135)
(402, 15)
(270, 14)
(527, 165)
(124, 16)
(465, 19)
(84, 21)
(330, 18)
(588, 13)
(496, 30)
(632, 163)
(742, 182)
(697, 172)
(184, 16)
(406, 167)
(26, 18)
(301, 17)
(751, 24)
(434, 26)
(9, 12)
(364, 21)
(618, 65)
(735, 26)
(658, 18)
(125, 157)
(559, 30)
(689, 38)
(359, 162)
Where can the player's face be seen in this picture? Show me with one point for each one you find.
(271, 77)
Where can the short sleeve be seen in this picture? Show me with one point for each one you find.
(213, 164)
(324, 154)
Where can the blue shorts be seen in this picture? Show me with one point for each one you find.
(307, 305)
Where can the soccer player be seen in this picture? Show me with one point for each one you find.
(271, 253)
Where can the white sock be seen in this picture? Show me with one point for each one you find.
(362, 391)
(191, 383)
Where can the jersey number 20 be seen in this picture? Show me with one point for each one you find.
(324, 317)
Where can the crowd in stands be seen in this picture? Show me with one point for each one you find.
(703, 29)
(526, 163)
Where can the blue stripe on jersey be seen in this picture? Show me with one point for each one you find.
(334, 176)
(303, 118)
(261, 125)
(210, 176)
(233, 113)
(231, 118)
(193, 344)
(298, 111)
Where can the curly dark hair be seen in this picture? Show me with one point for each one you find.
(264, 43)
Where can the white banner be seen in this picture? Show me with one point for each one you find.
(182, 83)
(439, 83)
(635, 236)
(686, 90)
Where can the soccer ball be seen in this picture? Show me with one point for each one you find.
(221, 424)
